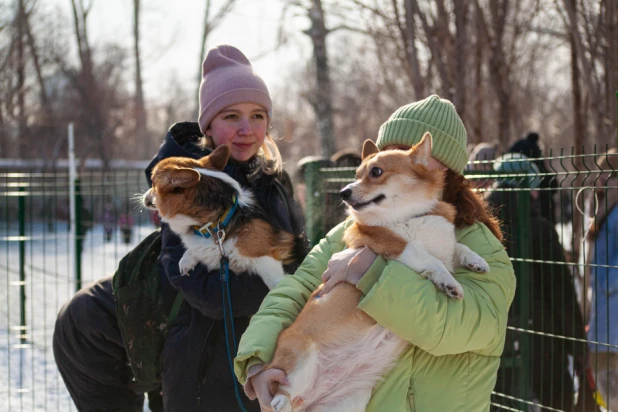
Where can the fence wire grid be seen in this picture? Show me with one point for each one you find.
(562, 345)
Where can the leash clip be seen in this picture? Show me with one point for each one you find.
(219, 240)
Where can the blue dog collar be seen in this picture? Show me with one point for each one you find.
(211, 228)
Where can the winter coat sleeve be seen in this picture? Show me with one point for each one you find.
(202, 290)
(409, 305)
(283, 304)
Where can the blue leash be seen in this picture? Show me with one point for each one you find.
(228, 317)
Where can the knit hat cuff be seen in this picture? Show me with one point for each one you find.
(230, 98)
(407, 132)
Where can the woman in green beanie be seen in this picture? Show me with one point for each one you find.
(455, 345)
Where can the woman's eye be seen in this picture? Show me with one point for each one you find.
(231, 117)
(258, 116)
(375, 172)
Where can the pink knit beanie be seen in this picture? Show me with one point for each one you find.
(228, 79)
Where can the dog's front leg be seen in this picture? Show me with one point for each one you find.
(468, 259)
(270, 270)
(187, 263)
(418, 259)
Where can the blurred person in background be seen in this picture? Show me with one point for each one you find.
(529, 146)
(553, 302)
(482, 152)
(602, 280)
(109, 220)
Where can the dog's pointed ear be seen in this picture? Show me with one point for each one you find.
(421, 152)
(183, 177)
(217, 159)
(369, 148)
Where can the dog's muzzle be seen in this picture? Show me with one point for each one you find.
(148, 200)
(346, 196)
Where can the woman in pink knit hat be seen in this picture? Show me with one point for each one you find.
(106, 349)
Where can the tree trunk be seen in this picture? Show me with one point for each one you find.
(478, 79)
(461, 41)
(611, 71)
(411, 52)
(322, 101)
(205, 34)
(22, 140)
(140, 110)
(498, 68)
(436, 50)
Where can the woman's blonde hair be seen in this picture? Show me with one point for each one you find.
(269, 151)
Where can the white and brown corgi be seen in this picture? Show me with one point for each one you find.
(334, 354)
(202, 204)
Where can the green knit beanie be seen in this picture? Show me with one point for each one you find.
(434, 115)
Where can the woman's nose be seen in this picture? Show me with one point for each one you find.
(244, 127)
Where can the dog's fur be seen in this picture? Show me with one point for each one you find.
(188, 192)
(333, 354)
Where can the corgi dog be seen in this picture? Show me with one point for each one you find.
(203, 206)
(334, 353)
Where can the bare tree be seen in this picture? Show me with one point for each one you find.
(141, 131)
(322, 98)
(20, 65)
(210, 24)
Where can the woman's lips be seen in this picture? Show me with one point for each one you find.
(243, 145)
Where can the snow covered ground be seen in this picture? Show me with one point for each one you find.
(29, 380)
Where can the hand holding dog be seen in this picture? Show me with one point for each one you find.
(347, 266)
(260, 385)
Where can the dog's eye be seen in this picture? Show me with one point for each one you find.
(375, 172)
(177, 190)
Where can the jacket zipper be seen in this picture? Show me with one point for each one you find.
(411, 397)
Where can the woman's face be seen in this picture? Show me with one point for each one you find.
(242, 127)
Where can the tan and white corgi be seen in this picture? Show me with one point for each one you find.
(334, 354)
(198, 200)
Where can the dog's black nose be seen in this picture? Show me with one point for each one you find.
(345, 194)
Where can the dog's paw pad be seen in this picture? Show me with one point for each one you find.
(281, 403)
(478, 265)
(453, 291)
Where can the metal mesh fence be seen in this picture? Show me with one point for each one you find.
(562, 343)
(42, 266)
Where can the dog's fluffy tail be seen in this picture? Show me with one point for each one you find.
(295, 248)
(301, 248)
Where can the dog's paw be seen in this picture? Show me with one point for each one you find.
(446, 283)
(475, 263)
(186, 265)
(281, 403)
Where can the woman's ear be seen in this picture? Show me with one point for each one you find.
(208, 138)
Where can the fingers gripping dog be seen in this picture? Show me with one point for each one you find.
(197, 199)
(334, 354)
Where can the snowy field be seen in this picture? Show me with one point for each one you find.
(29, 380)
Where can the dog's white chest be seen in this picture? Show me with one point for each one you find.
(434, 233)
(206, 251)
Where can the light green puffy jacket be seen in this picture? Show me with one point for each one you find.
(455, 345)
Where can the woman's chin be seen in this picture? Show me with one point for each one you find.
(242, 155)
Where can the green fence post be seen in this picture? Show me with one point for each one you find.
(523, 234)
(22, 262)
(314, 201)
(79, 235)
